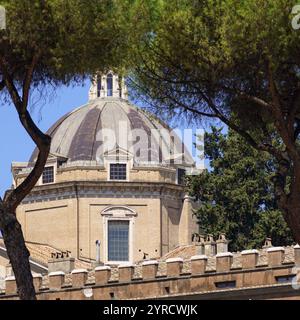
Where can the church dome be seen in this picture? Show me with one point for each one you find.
(81, 134)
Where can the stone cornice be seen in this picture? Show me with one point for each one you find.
(104, 189)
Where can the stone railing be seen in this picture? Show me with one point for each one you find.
(179, 279)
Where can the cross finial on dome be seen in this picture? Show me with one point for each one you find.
(108, 85)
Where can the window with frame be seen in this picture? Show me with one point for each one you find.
(181, 173)
(118, 240)
(118, 171)
(48, 175)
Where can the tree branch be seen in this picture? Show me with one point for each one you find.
(256, 100)
(267, 147)
(13, 92)
(43, 143)
(295, 103)
(2, 85)
(41, 140)
(28, 79)
(19, 194)
(274, 91)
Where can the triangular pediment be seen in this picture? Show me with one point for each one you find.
(118, 152)
(53, 155)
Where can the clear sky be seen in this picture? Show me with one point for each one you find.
(14, 142)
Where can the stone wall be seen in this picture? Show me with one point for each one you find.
(270, 273)
(68, 217)
(77, 173)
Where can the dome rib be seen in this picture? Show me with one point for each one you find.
(52, 130)
(82, 142)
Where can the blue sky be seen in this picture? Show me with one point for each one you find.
(14, 141)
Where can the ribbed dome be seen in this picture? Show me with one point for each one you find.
(78, 135)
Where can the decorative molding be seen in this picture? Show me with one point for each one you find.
(119, 211)
(104, 189)
(122, 213)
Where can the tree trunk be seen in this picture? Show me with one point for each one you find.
(292, 217)
(292, 205)
(17, 252)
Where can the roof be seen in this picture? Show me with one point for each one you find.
(82, 134)
(184, 252)
(41, 254)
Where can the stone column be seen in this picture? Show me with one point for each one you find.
(188, 222)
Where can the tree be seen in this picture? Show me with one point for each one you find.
(234, 61)
(53, 43)
(237, 195)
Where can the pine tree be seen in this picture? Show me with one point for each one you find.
(214, 59)
(237, 194)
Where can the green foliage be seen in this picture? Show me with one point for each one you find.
(208, 46)
(73, 38)
(237, 194)
(236, 61)
(215, 58)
